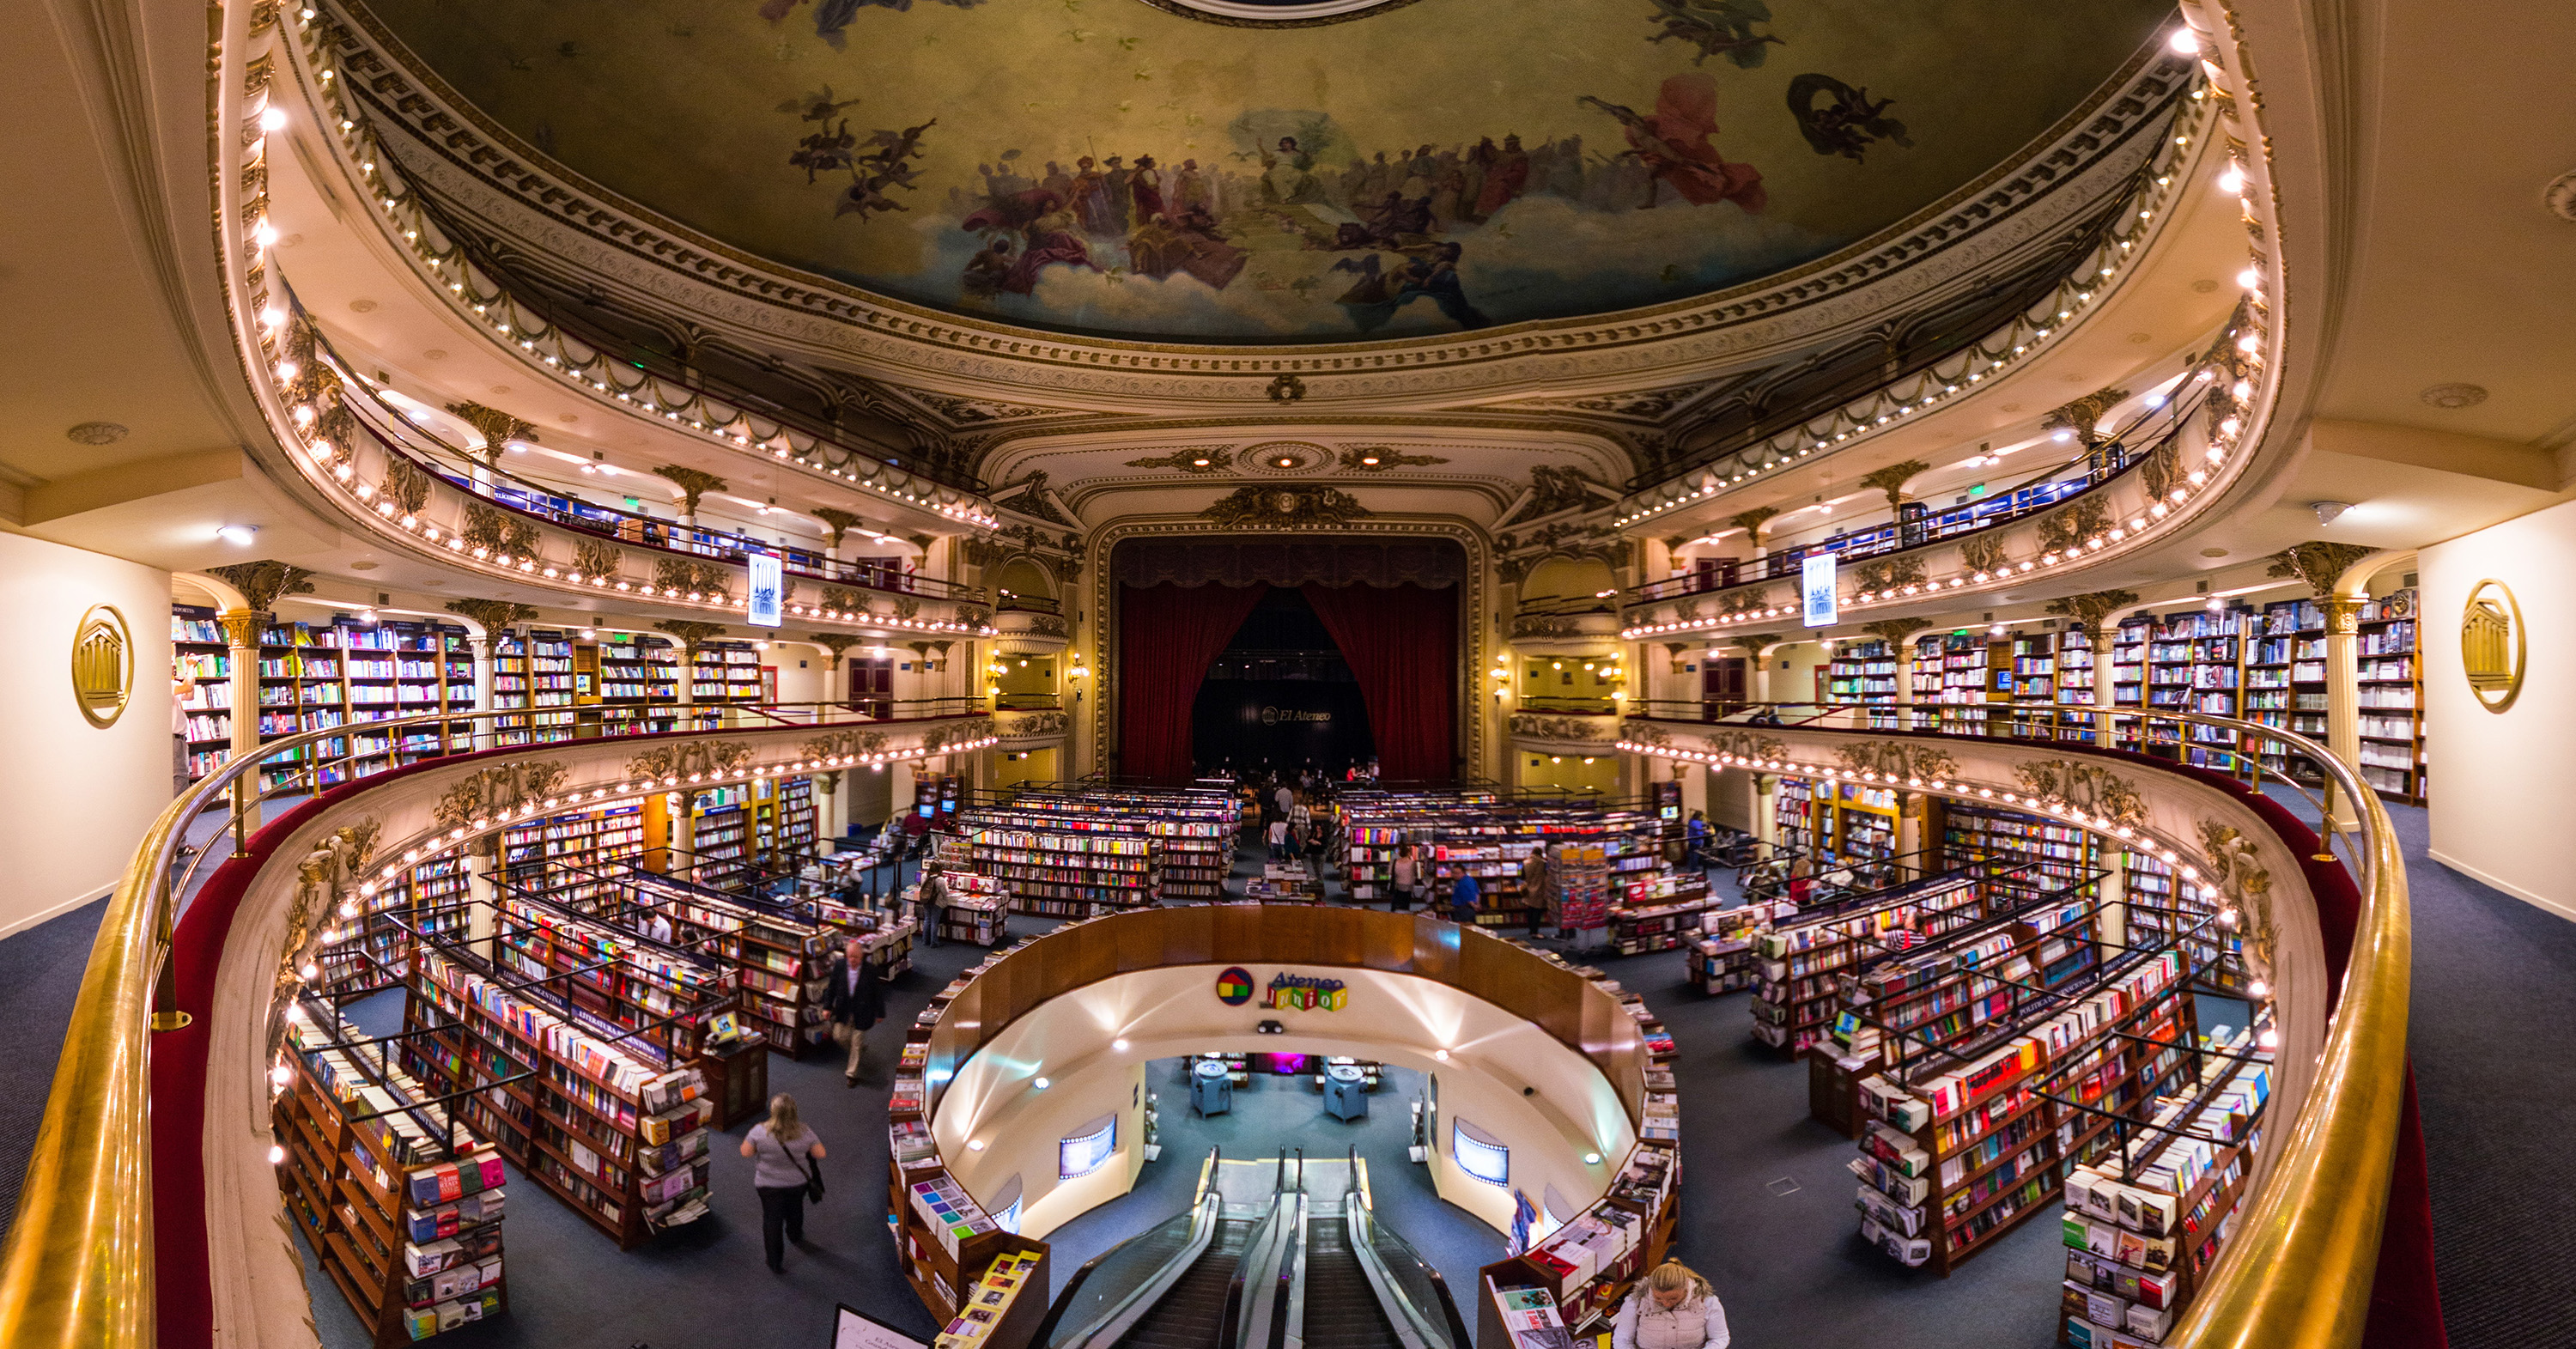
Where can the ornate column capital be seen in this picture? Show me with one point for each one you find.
(2343, 614)
(242, 626)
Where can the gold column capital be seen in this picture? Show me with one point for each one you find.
(242, 626)
(2343, 614)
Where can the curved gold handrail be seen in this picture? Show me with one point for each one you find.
(78, 1269)
(2297, 1274)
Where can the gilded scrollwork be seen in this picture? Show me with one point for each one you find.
(2235, 870)
(2090, 788)
(1035, 724)
(1746, 745)
(489, 792)
(1890, 759)
(1562, 728)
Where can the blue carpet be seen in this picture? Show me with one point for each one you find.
(40, 974)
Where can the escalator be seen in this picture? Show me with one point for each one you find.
(1268, 1257)
(1342, 1309)
(1192, 1312)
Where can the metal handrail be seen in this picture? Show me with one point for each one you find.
(1413, 1330)
(2309, 1232)
(1123, 1315)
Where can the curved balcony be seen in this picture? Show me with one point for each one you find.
(2323, 922)
(1565, 725)
(2139, 484)
(583, 356)
(162, 1095)
(381, 466)
(1565, 627)
(1030, 625)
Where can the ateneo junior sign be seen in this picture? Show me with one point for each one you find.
(1286, 992)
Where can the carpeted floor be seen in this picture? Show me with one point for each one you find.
(1766, 1203)
(40, 974)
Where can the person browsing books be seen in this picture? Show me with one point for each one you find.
(1463, 899)
(1670, 1308)
(780, 1148)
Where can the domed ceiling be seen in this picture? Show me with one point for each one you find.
(1190, 171)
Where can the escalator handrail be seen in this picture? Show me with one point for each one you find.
(1413, 1330)
(1255, 1286)
(1123, 1315)
(1292, 1334)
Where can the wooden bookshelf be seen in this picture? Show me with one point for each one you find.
(1802, 956)
(402, 1206)
(1587, 1266)
(1974, 1142)
(2391, 716)
(1065, 864)
(611, 1125)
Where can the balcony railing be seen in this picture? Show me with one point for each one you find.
(2155, 436)
(2308, 1231)
(79, 1271)
(398, 436)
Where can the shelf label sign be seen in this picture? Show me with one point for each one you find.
(768, 578)
(1816, 583)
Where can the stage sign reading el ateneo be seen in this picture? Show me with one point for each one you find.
(1274, 716)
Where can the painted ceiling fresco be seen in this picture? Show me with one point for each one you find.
(1116, 168)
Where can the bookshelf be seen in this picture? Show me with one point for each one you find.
(610, 1124)
(1982, 1136)
(1065, 864)
(1860, 672)
(402, 1207)
(1801, 958)
(633, 681)
(1724, 956)
(2390, 718)
(1194, 828)
(1583, 1269)
(2142, 1228)
(532, 671)
(198, 651)
(1838, 821)
(725, 672)
(651, 992)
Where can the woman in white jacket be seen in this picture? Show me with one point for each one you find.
(1670, 1308)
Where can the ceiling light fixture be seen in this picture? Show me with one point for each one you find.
(239, 535)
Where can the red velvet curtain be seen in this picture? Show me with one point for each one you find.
(1167, 637)
(1402, 643)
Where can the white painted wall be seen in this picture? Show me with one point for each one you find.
(1164, 1013)
(75, 799)
(2504, 784)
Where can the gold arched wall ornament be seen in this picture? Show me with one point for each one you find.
(102, 665)
(2494, 647)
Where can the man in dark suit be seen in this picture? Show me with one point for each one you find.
(854, 1001)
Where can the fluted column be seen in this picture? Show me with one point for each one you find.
(484, 737)
(1766, 813)
(2343, 697)
(241, 636)
(2102, 636)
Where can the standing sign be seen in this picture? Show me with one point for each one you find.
(767, 580)
(1817, 584)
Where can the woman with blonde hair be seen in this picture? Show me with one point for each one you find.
(782, 1149)
(1670, 1308)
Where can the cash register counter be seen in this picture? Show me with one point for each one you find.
(1020, 1100)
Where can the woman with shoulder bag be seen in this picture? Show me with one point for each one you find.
(1671, 1308)
(783, 1153)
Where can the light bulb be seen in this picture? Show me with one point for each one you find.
(2185, 42)
(2233, 181)
(1120, 1045)
(276, 1154)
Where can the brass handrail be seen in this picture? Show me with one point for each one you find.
(77, 1272)
(2298, 1271)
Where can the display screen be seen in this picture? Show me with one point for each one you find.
(1480, 1157)
(1083, 1153)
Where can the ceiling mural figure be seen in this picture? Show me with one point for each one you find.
(1118, 169)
